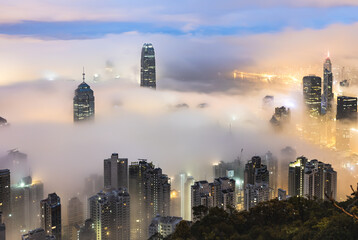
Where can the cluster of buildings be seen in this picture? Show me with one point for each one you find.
(84, 101)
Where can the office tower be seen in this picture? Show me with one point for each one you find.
(3, 122)
(87, 231)
(327, 95)
(282, 195)
(75, 216)
(37, 234)
(256, 183)
(83, 102)
(17, 163)
(312, 95)
(5, 202)
(2, 228)
(110, 213)
(220, 193)
(346, 108)
(150, 191)
(115, 172)
(175, 201)
(296, 173)
(272, 166)
(25, 201)
(51, 215)
(187, 197)
(163, 225)
(147, 71)
(320, 179)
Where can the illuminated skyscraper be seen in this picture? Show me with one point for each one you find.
(51, 215)
(110, 213)
(296, 177)
(5, 202)
(346, 108)
(312, 94)
(25, 202)
(327, 96)
(147, 71)
(115, 172)
(83, 102)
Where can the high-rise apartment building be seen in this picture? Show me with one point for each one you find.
(256, 183)
(115, 172)
(25, 201)
(2, 228)
(87, 231)
(312, 94)
(51, 215)
(346, 108)
(296, 172)
(187, 197)
(272, 166)
(37, 234)
(147, 71)
(5, 202)
(163, 225)
(83, 102)
(150, 191)
(220, 193)
(312, 179)
(110, 213)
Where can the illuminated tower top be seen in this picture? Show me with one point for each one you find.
(327, 64)
(147, 71)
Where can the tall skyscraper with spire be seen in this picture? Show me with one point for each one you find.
(147, 71)
(327, 96)
(83, 102)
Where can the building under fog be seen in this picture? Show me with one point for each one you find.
(87, 231)
(75, 217)
(25, 201)
(3, 122)
(346, 108)
(51, 215)
(83, 102)
(312, 94)
(256, 183)
(150, 192)
(2, 228)
(147, 71)
(312, 179)
(110, 213)
(115, 172)
(17, 163)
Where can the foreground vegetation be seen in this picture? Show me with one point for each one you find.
(296, 219)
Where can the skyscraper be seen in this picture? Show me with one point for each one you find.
(75, 216)
(83, 102)
(51, 215)
(296, 173)
(25, 201)
(327, 96)
(115, 172)
(312, 94)
(5, 201)
(147, 71)
(87, 231)
(110, 213)
(2, 228)
(150, 191)
(346, 108)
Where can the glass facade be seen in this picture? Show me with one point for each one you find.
(147, 72)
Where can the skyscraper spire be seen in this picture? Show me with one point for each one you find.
(328, 54)
(83, 74)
